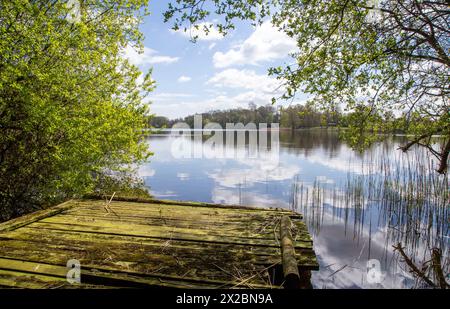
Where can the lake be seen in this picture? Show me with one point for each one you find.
(356, 205)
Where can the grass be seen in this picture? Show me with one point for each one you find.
(410, 199)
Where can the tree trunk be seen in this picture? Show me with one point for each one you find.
(443, 165)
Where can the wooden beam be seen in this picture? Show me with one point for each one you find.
(187, 203)
(290, 267)
(35, 216)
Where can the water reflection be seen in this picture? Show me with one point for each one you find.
(356, 205)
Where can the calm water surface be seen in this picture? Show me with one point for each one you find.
(351, 213)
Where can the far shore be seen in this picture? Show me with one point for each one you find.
(331, 128)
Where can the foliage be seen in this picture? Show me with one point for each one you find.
(70, 104)
(294, 117)
(263, 114)
(370, 57)
(159, 122)
(307, 116)
(123, 184)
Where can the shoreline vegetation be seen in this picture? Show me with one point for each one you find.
(71, 106)
(155, 130)
(294, 117)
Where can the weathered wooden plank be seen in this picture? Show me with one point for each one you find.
(167, 234)
(260, 225)
(204, 274)
(16, 279)
(35, 216)
(194, 217)
(173, 261)
(178, 226)
(112, 277)
(224, 209)
(180, 215)
(81, 241)
(75, 237)
(133, 253)
(96, 198)
(263, 225)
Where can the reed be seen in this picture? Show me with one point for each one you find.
(410, 199)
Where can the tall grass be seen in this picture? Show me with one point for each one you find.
(411, 200)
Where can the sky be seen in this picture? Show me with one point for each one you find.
(213, 73)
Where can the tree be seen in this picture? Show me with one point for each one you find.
(263, 114)
(369, 57)
(70, 104)
(159, 122)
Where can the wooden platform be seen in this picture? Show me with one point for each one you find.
(151, 243)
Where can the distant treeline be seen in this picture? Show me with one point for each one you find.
(291, 117)
(294, 117)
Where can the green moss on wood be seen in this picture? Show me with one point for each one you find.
(148, 243)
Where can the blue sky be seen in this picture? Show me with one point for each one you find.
(216, 72)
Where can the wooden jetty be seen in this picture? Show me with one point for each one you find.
(156, 243)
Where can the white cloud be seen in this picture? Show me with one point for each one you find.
(265, 44)
(198, 32)
(232, 178)
(329, 249)
(175, 105)
(183, 79)
(212, 45)
(169, 96)
(231, 196)
(181, 107)
(183, 176)
(246, 79)
(251, 87)
(148, 56)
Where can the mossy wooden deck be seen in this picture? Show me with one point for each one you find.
(150, 243)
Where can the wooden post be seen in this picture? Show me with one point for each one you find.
(290, 268)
